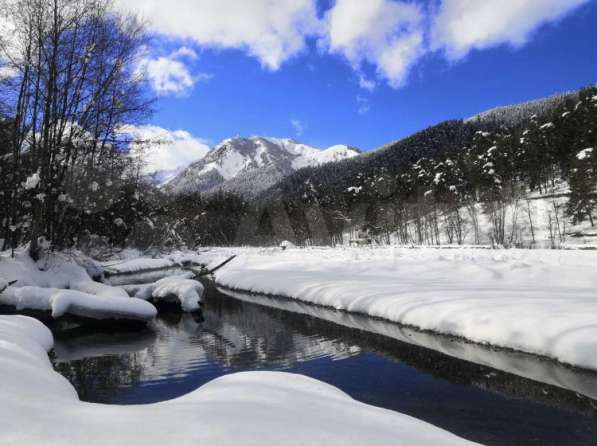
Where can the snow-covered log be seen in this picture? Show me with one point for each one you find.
(59, 303)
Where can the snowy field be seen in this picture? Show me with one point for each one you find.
(539, 301)
(39, 406)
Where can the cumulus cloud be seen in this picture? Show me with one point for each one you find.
(170, 75)
(270, 30)
(386, 34)
(463, 25)
(163, 149)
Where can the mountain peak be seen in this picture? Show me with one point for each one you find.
(248, 165)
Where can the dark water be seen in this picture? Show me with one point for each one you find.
(492, 397)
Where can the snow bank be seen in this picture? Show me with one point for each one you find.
(179, 288)
(38, 406)
(62, 302)
(538, 302)
(64, 287)
(515, 363)
(138, 265)
(141, 264)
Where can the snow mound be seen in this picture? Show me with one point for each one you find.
(60, 285)
(179, 288)
(143, 264)
(287, 245)
(257, 408)
(138, 265)
(62, 302)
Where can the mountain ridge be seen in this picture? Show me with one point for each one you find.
(250, 165)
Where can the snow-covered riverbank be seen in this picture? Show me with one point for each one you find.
(540, 302)
(38, 406)
(62, 284)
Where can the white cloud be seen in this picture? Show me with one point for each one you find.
(390, 36)
(270, 30)
(299, 126)
(163, 149)
(185, 51)
(463, 25)
(387, 34)
(366, 84)
(170, 75)
(364, 105)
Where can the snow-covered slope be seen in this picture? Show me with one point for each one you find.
(251, 165)
(513, 114)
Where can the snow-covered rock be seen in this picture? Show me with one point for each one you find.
(39, 406)
(180, 288)
(251, 165)
(538, 301)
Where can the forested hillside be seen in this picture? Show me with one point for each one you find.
(480, 181)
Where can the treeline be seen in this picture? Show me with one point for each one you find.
(70, 82)
(452, 183)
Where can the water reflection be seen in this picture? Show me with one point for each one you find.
(523, 365)
(493, 397)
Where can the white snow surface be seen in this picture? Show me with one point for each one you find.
(231, 163)
(39, 406)
(64, 287)
(250, 165)
(584, 154)
(61, 302)
(134, 262)
(180, 287)
(537, 301)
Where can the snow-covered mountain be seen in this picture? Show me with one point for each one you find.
(251, 165)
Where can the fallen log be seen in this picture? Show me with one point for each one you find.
(204, 273)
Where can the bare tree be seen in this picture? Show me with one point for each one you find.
(74, 84)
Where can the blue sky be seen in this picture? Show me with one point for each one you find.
(354, 72)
